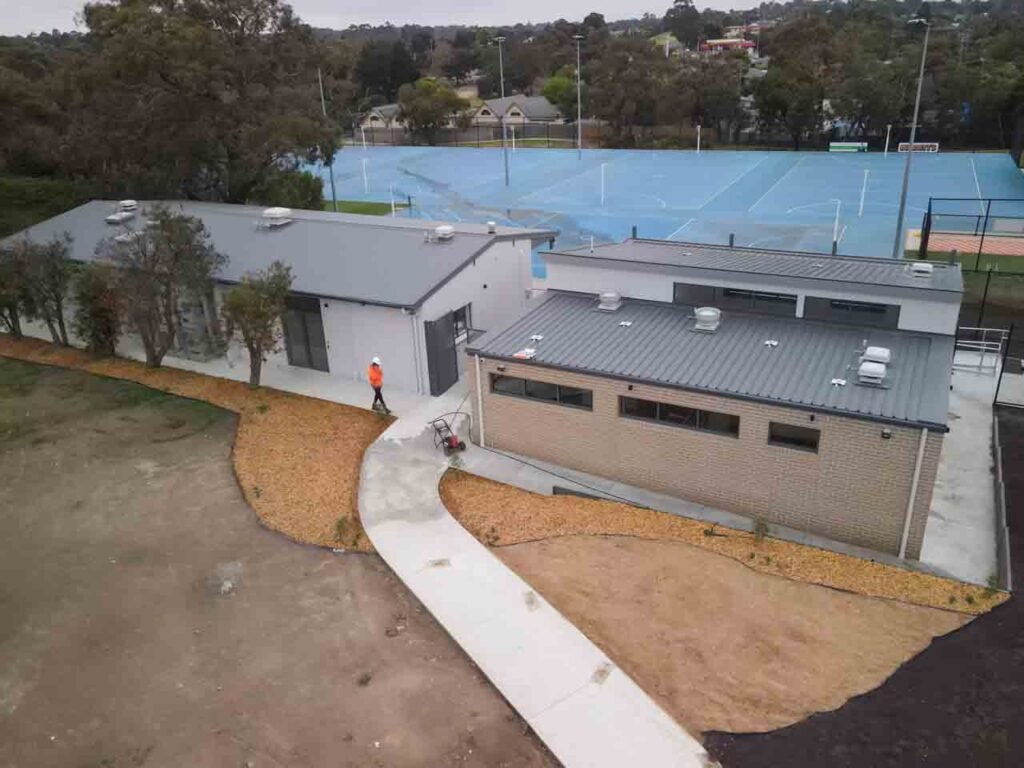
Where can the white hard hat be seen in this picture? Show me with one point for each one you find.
(376, 361)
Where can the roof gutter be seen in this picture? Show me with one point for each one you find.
(927, 425)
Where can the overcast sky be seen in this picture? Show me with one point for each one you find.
(44, 15)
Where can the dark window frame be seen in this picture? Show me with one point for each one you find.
(588, 394)
(700, 417)
(462, 325)
(735, 299)
(792, 442)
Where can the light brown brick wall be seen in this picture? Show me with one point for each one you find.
(855, 489)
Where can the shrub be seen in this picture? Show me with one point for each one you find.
(97, 319)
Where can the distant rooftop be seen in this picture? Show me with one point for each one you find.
(534, 107)
(861, 270)
(660, 347)
(371, 259)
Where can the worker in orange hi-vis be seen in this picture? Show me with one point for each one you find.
(376, 376)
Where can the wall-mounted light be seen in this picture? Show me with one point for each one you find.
(812, 417)
(501, 367)
(630, 387)
(886, 433)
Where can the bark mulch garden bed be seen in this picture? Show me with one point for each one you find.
(959, 703)
(499, 514)
(297, 458)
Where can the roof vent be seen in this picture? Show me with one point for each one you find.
(444, 232)
(609, 301)
(881, 355)
(922, 269)
(128, 205)
(276, 217)
(119, 217)
(708, 319)
(492, 228)
(871, 373)
(127, 237)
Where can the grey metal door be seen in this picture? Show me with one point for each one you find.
(442, 360)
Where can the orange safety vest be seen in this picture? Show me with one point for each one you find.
(376, 375)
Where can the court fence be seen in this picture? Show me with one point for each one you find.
(983, 229)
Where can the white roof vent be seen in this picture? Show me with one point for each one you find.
(871, 373)
(609, 301)
(128, 205)
(922, 269)
(444, 232)
(127, 237)
(708, 319)
(276, 217)
(120, 217)
(881, 355)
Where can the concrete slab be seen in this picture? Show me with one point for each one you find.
(960, 537)
(587, 711)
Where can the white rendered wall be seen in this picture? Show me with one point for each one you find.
(356, 333)
(654, 283)
(496, 284)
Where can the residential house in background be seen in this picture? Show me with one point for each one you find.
(517, 110)
(805, 390)
(385, 116)
(406, 290)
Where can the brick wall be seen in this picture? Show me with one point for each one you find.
(854, 489)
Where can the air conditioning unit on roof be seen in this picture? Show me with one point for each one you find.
(881, 355)
(871, 373)
(922, 269)
(444, 232)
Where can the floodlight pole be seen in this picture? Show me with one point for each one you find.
(888, 131)
(897, 243)
(330, 168)
(835, 226)
(579, 98)
(698, 138)
(501, 76)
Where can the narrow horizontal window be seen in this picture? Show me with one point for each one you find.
(542, 390)
(531, 389)
(508, 385)
(579, 398)
(680, 416)
(790, 436)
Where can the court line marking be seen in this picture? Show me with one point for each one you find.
(841, 233)
(773, 186)
(812, 205)
(680, 229)
(655, 197)
(977, 186)
(738, 179)
(863, 191)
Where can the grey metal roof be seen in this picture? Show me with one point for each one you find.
(660, 348)
(791, 264)
(370, 259)
(534, 107)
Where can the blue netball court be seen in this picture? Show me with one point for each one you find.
(786, 200)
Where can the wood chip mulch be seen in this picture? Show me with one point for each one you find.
(297, 458)
(499, 514)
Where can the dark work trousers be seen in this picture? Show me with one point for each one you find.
(379, 398)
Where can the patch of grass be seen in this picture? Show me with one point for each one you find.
(17, 378)
(364, 207)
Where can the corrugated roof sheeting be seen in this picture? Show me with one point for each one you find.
(848, 269)
(661, 347)
(379, 260)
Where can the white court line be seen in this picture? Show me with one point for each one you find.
(811, 205)
(841, 233)
(863, 191)
(655, 197)
(680, 229)
(773, 186)
(739, 178)
(977, 186)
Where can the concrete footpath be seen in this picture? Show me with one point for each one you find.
(588, 711)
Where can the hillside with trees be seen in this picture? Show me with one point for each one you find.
(195, 99)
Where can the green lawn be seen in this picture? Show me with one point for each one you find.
(366, 207)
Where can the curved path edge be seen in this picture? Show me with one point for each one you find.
(585, 709)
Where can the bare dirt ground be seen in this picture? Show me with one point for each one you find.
(721, 646)
(958, 704)
(146, 618)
